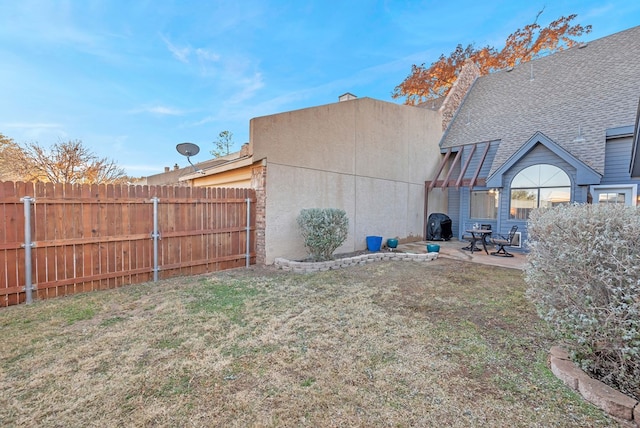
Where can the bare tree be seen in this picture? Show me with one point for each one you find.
(9, 155)
(66, 162)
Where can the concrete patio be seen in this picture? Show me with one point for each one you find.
(453, 249)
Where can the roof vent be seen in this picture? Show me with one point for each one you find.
(579, 138)
(532, 77)
(582, 45)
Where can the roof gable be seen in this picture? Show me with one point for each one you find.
(584, 91)
(584, 174)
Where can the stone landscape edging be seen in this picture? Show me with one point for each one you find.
(362, 259)
(620, 406)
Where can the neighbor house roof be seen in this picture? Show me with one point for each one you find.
(578, 92)
(175, 176)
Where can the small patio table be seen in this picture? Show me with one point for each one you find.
(477, 235)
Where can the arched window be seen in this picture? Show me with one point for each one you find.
(538, 186)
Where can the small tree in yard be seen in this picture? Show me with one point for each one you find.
(223, 144)
(583, 274)
(323, 231)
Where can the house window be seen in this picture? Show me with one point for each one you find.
(614, 194)
(484, 204)
(611, 198)
(538, 186)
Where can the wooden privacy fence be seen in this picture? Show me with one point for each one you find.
(92, 237)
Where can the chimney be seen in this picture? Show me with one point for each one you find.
(468, 74)
(176, 167)
(346, 97)
(244, 150)
(166, 169)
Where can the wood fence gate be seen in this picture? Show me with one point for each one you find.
(93, 237)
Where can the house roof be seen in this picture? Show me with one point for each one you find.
(578, 92)
(206, 167)
(175, 176)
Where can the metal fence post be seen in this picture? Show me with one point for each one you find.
(28, 285)
(155, 235)
(248, 254)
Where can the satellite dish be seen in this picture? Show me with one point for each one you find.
(188, 150)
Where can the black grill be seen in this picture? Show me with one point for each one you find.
(439, 227)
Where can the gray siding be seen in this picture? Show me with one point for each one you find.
(618, 158)
(454, 211)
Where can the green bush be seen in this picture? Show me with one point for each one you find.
(583, 274)
(323, 230)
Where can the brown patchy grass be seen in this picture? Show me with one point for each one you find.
(441, 343)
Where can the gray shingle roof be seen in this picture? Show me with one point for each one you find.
(588, 88)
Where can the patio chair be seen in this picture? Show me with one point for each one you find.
(504, 241)
(486, 237)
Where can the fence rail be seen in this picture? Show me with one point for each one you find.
(93, 237)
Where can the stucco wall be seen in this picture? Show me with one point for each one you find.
(368, 157)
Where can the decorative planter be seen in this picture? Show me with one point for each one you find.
(392, 243)
(433, 248)
(374, 243)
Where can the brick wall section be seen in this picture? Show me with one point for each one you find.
(468, 74)
(259, 184)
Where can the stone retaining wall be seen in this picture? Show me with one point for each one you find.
(306, 267)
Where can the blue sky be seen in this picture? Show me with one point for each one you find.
(133, 78)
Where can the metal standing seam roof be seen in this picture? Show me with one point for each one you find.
(583, 90)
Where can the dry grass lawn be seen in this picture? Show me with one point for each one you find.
(405, 344)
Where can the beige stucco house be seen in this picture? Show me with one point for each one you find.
(368, 157)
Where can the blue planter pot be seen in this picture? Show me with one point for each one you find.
(374, 243)
(433, 248)
(392, 243)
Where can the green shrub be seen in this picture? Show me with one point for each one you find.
(323, 230)
(583, 274)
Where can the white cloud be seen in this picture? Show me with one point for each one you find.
(207, 55)
(158, 109)
(181, 54)
(165, 111)
(248, 87)
(27, 125)
(184, 53)
(38, 131)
